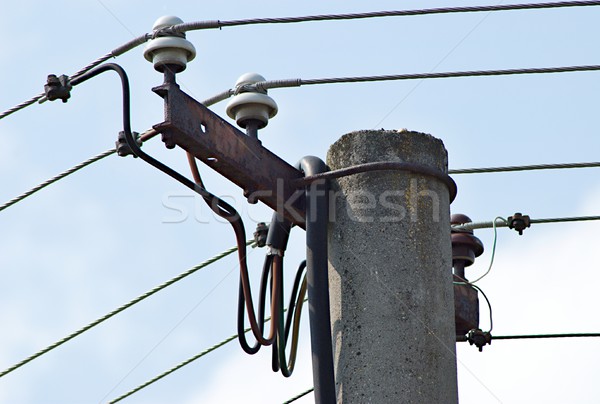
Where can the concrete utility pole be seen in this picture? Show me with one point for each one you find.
(390, 260)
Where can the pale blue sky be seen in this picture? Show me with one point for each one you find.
(99, 238)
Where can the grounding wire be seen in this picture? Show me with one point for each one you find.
(216, 24)
(495, 225)
(184, 363)
(299, 396)
(122, 308)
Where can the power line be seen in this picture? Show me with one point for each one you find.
(122, 308)
(114, 53)
(504, 223)
(216, 24)
(177, 367)
(145, 136)
(265, 85)
(524, 168)
(538, 336)
(463, 338)
(198, 25)
(299, 396)
(57, 178)
(186, 362)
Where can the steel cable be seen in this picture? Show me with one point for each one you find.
(532, 167)
(145, 136)
(122, 308)
(199, 25)
(184, 363)
(299, 396)
(504, 223)
(116, 52)
(216, 24)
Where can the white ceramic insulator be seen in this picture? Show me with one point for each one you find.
(169, 50)
(254, 105)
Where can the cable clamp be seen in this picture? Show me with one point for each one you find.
(519, 222)
(479, 338)
(57, 87)
(123, 149)
(260, 235)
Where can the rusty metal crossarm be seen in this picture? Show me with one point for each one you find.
(243, 160)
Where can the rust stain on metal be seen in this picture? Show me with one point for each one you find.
(242, 159)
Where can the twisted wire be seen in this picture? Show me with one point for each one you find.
(524, 168)
(57, 178)
(299, 396)
(216, 24)
(145, 136)
(501, 222)
(184, 363)
(122, 308)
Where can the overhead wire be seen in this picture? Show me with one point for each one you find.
(532, 167)
(122, 308)
(299, 396)
(114, 53)
(463, 338)
(145, 136)
(504, 223)
(217, 24)
(186, 362)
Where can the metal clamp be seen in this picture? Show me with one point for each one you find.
(479, 338)
(519, 222)
(58, 88)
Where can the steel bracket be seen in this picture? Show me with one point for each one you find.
(242, 159)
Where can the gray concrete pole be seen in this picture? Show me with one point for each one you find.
(390, 273)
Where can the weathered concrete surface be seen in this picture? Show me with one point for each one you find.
(390, 260)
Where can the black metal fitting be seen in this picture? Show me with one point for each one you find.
(519, 222)
(260, 235)
(279, 233)
(57, 88)
(123, 148)
(479, 338)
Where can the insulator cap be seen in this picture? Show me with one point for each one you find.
(251, 105)
(465, 246)
(172, 50)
